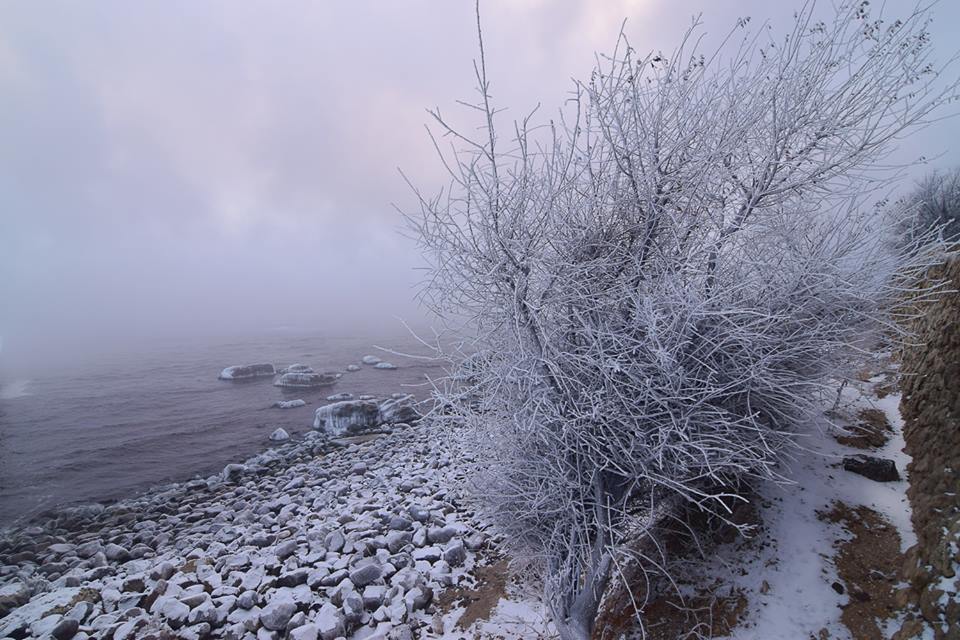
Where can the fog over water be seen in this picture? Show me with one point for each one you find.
(195, 169)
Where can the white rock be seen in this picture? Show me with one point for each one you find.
(349, 416)
(305, 632)
(248, 371)
(289, 404)
(306, 380)
(329, 622)
(297, 368)
(279, 435)
(397, 410)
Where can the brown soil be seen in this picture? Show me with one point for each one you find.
(668, 618)
(714, 610)
(872, 430)
(482, 599)
(868, 565)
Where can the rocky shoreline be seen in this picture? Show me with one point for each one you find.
(318, 538)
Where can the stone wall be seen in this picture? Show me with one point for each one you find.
(931, 412)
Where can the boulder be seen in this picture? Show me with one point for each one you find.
(13, 595)
(370, 360)
(878, 469)
(396, 410)
(366, 574)
(288, 404)
(296, 368)
(353, 367)
(276, 615)
(279, 435)
(306, 380)
(330, 622)
(248, 371)
(347, 417)
(233, 472)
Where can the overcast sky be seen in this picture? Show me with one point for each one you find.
(173, 168)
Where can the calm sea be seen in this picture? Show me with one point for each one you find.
(133, 420)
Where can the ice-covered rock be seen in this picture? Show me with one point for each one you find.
(384, 365)
(276, 615)
(248, 371)
(353, 367)
(279, 435)
(306, 380)
(233, 472)
(288, 404)
(370, 360)
(297, 368)
(338, 397)
(347, 417)
(397, 410)
(330, 622)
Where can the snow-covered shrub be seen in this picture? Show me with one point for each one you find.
(932, 205)
(653, 289)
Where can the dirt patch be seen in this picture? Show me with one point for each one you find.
(871, 431)
(713, 609)
(84, 595)
(480, 600)
(708, 614)
(867, 565)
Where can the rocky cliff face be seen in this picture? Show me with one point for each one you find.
(931, 411)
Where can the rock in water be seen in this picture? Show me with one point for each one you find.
(337, 397)
(248, 371)
(306, 380)
(384, 365)
(370, 360)
(353, 367)
(297, 368)
(878, 469)
(398, 410)
(288, 404)
(279, 435)
(347, 417)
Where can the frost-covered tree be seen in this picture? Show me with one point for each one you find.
(652, 290)
(932, 205)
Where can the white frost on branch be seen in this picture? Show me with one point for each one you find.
(653, 290)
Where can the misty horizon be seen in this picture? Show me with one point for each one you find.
(191, 171)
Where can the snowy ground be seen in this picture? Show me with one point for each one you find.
(787, 571)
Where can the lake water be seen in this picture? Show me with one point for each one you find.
(108, 430)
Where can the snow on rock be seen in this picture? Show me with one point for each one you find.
(350, 417)
(279, 435)
(347, 417)
(248, 371)
(288, 404)
(397, 410)
(384, 365)
(297, 368)
(370, 359)
(306, 380)
(298, 548)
